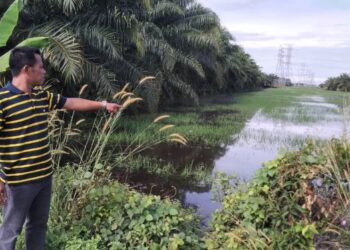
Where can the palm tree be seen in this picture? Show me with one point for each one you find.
(174, 33)
(106, 43)
(340, 83)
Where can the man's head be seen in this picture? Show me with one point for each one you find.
(26, 62)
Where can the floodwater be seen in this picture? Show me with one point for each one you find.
(264, 136)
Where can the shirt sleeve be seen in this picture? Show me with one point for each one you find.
(2, 121)
(3, 177)
(56, 101)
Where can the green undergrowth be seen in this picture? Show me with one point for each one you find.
(298, 201)
(92, 212)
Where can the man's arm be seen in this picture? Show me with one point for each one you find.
(80, 104)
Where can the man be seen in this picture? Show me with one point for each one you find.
(25, 176)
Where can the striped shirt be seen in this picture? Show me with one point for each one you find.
(24, 142)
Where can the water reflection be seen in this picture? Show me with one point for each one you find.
(266, 134)
(261, 140)
(195, 158)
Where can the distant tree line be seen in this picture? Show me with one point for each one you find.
(339, 83)
(106, 43)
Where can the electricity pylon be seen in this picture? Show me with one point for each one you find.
(284, 62)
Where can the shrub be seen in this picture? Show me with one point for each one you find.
(294, 202)
(93, 212)
(127, 219)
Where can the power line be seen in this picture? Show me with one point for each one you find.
(305, 75)
(288, 61)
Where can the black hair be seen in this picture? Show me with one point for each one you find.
(21, 57)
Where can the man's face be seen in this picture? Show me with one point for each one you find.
(36, 73)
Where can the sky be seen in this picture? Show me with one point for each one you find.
(317, 30)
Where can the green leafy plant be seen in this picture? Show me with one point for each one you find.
(128, 219)
(294, 202)
(7, 24)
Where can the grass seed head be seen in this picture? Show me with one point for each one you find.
(126, 94)
(130, 101)
(147, 78)
(82, 89)
(79, 122)
(125, 87)
(166, 127)
(178, 141)
(159, 118)
(178, 136)
(120, 93)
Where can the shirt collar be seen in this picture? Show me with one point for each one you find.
(13, 89)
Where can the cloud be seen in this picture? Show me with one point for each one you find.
(243, 36)
(229, 4)
(306, 40)
(317, 29)
(332, 4)
(272, 22)
(304, 31)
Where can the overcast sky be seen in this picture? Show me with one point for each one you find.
(318, 30)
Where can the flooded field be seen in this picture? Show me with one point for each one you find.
(267, 133)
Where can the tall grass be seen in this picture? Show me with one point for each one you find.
(91, 163)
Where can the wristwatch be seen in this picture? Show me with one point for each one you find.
(104, 104)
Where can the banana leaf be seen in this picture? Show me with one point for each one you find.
(8, 22)
(38, 42)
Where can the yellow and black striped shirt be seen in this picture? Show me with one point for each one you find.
(24, 143)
